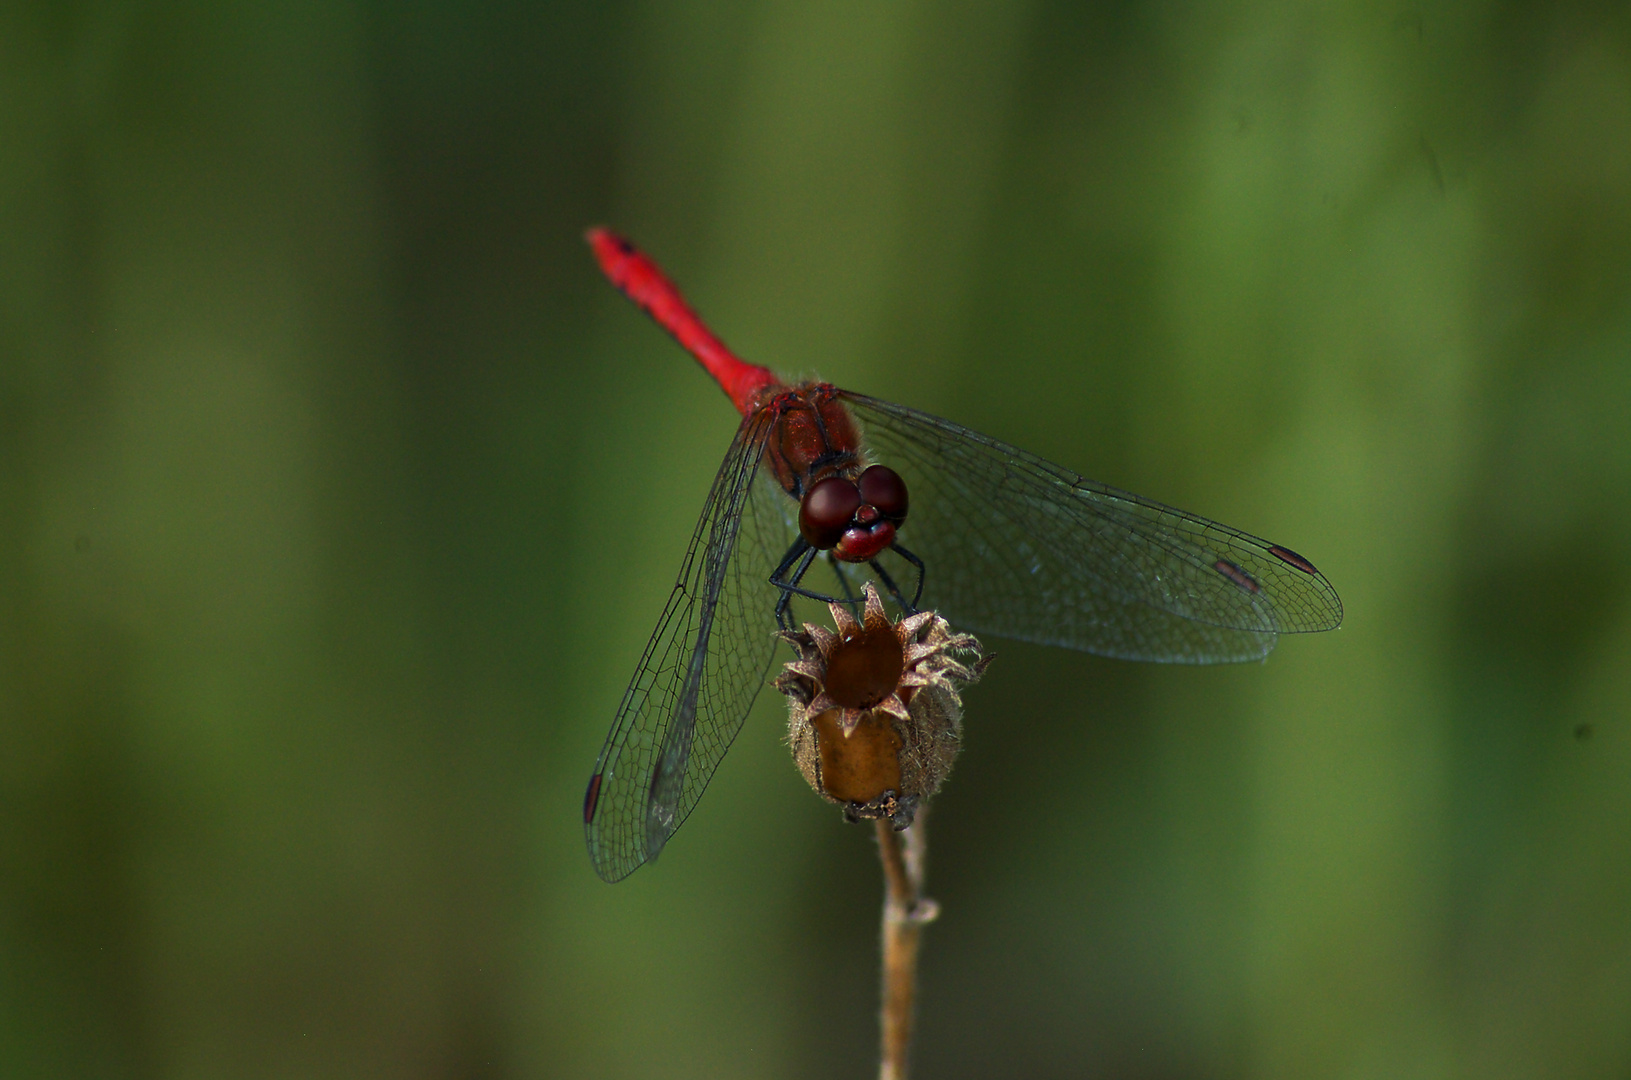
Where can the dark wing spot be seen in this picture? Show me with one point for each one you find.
(590, 798)
(1286, 555)
(1235, 574)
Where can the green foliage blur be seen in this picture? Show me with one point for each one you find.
(338, 494)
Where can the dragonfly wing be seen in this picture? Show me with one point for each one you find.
(700, 672)
(1018, 547)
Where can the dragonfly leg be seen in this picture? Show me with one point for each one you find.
(894, 590)
(799, 550)
(797, 560)
(850, 599)
(917, 562)
(794, 565)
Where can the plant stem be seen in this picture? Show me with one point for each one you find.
(905, 910)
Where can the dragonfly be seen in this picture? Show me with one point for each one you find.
(822, 489)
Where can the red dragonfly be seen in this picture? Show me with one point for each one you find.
(823, 488)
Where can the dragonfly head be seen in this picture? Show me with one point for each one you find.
(855, 519)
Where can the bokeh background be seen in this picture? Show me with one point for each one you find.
(338, 494)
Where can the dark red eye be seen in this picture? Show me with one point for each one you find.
(826, 511)
(882, 487)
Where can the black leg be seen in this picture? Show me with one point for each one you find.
(917, 562)
(889, 583)
(797, 551)
(796, 563)
(802, 554)
(850, 599)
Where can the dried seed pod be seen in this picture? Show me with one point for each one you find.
(874, 714)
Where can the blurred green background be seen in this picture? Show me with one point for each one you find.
(339, 493)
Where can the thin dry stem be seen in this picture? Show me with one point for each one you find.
(905, 910)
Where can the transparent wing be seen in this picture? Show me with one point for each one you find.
(1016, 546)
(701, 671)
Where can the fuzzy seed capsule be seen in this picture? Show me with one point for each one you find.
(875, 717)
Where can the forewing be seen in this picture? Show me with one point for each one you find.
(701, 671)
(1018, 547)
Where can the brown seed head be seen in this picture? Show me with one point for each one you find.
(874, 712)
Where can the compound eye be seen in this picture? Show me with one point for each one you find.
(826, 511)
(882, 487)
